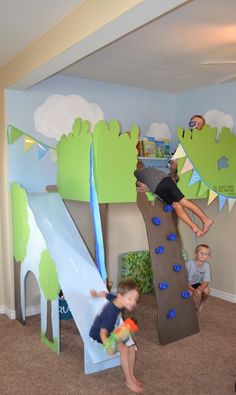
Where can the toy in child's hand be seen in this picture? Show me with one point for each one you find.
(120, 334)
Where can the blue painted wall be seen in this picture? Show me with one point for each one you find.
(198, 101)
(128, 105)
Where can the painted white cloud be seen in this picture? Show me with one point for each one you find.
(159, 131)
(218, 120)
(56, 115)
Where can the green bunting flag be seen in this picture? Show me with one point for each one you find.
(13, 134)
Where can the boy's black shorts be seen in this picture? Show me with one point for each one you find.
(195, 286)
(168, 191)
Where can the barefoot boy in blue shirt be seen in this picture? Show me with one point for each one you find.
(126, 298)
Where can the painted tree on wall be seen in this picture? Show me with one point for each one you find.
(50, 286)
(21, 233)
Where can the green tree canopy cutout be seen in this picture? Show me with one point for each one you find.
(73, 162)
(21, 229)
(213, 158)
(115, 158)
(48, 279)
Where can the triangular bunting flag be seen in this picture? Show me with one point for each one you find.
(42, 150)
(187, 166)
(13, 134)
(203, 189)
(212, 196)
(231, 203)
(194, 178)
(28, 143)
(222, 200)
(53, 153)
(179, 153)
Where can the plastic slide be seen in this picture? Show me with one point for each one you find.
(76, 271)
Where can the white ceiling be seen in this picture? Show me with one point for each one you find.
(164, 55)
(23, 21)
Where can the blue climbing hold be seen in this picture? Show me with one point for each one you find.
(185, 294)
(159, 250)
(177, 268)
(156, 221)
(163, 286)
(168, 208)
(171, 236)
(171, 314)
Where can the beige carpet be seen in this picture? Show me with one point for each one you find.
(204, 363)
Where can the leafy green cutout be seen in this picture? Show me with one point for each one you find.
(21, 229)
(204, 151)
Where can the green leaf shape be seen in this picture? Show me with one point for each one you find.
(73, 162)
(115, 159)
(48, 278)
(204, 151)
(21, 229)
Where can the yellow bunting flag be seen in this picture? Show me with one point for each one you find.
(212, 196)
(187, 166)
(231, 203)
(179, 153)
(28, 143)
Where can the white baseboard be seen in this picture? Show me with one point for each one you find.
(223, 295)
(2, 309)
(32, 310)
(10, 313)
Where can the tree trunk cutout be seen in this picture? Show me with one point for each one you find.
(49, 332)
(183, 322)
(17, 283)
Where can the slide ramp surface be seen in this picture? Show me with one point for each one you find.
(77, 273)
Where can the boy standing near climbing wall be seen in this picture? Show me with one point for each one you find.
(199, 275)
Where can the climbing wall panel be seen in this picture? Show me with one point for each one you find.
(176, 314)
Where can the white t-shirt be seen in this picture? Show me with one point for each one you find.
(196, 273)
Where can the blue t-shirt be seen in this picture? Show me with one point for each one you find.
(106, 319)
(198, 274)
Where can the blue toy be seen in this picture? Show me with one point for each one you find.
(171, 236)
(163, 286)
(156, 221)
(185, 294)
(168, 208)
(159, 250)
(177, 268)
(171, 314)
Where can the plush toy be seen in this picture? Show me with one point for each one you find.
(120, 334)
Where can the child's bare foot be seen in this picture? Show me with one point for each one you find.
(198, 232)
(206, 225)
(138, 382)
(134, 387)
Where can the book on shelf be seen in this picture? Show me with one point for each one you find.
(148, 147)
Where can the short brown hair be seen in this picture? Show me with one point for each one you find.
(127, 285)
(204, 246)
